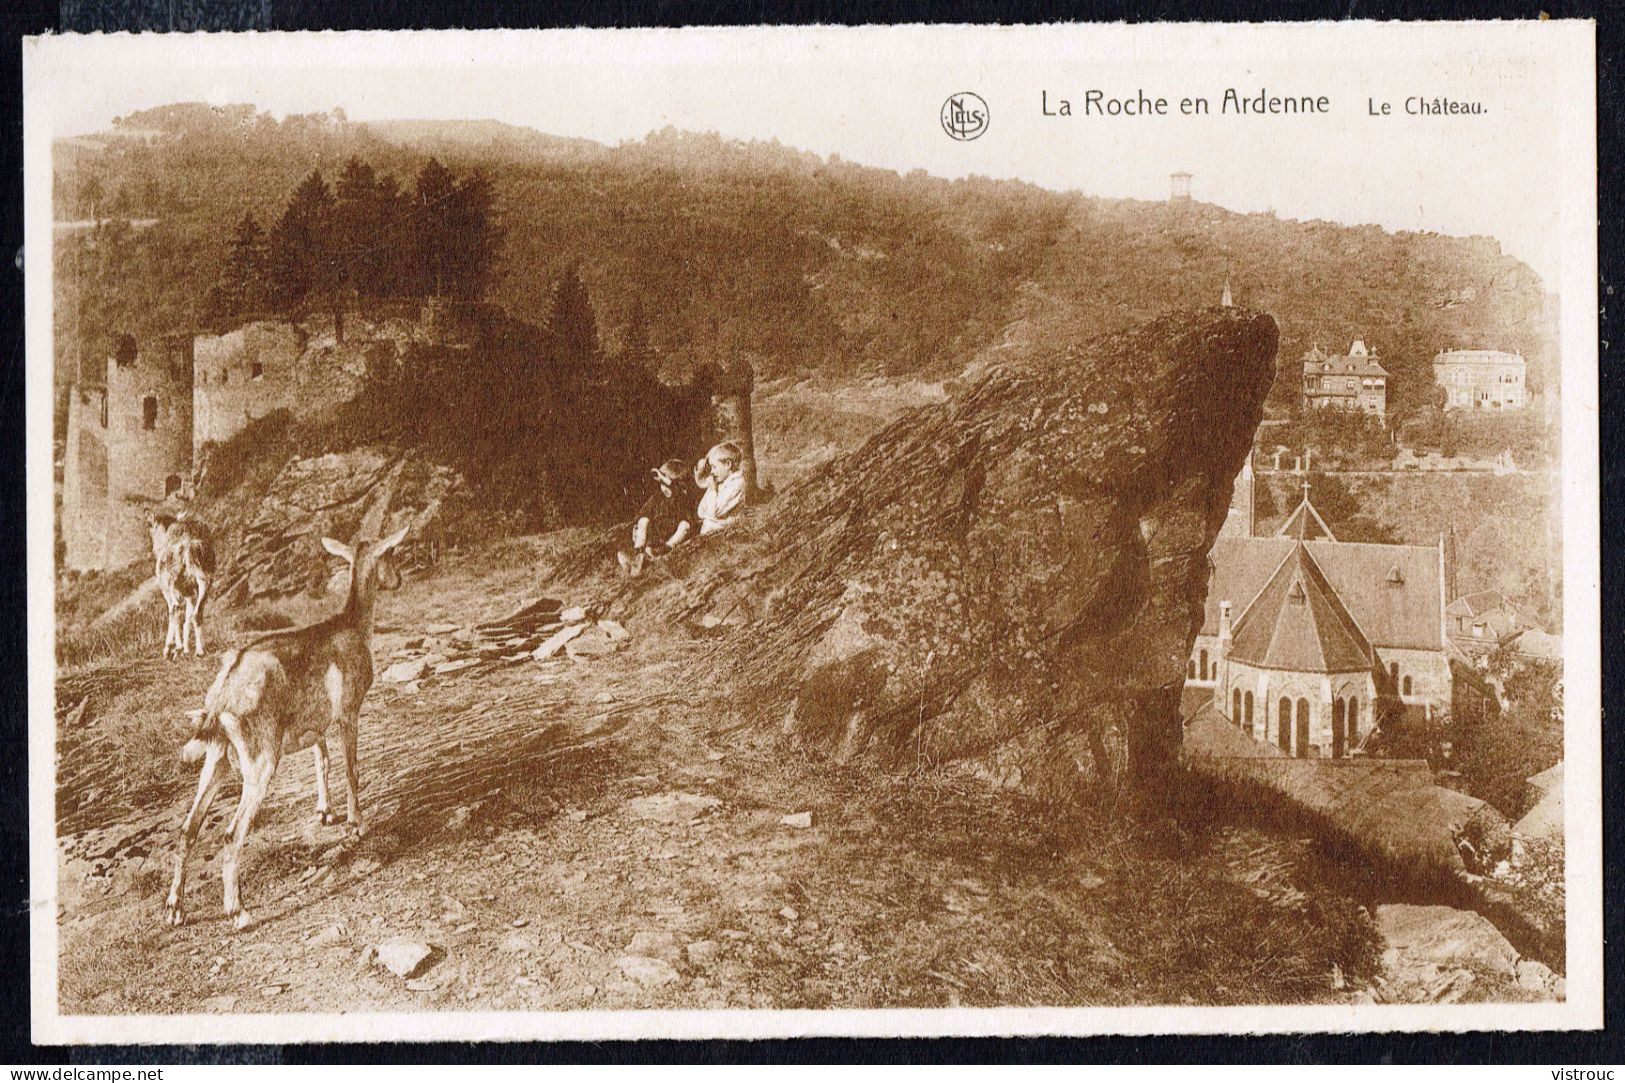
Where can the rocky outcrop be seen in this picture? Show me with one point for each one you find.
(1011, 578)
(367, 491)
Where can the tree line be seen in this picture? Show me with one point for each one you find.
(363, 236)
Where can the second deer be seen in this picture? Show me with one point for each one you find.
(283, 692)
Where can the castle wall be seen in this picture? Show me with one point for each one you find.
(241, 376)
(149, 442)
(84, 480)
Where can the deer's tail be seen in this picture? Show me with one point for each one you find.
(206, 731)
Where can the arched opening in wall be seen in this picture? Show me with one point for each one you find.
(124, 351)
(1247, 714)
(1339, 735)
(1283, 724)
(1190, 669)
(172, 485)
(1302, 751)
(1202, 669)
(1354, 722)
(1405, 686)
(149, 413)
(1393, 673)
(1235, 705)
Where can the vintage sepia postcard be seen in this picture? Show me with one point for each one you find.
(927, 530)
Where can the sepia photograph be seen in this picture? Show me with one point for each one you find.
(884, 530)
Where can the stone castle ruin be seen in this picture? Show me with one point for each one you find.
(140, 426)
(129, 446)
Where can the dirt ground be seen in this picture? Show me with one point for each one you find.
(596, 834)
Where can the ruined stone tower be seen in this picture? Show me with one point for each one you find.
(129, 447)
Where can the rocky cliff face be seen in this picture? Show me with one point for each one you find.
(1012, 578)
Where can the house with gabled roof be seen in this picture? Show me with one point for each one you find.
(1352, 381)
(1482, 621)
(1309, 643)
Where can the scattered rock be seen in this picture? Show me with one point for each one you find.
(1533, 975)
(412, 644)
(797, 819)
(592, 642)
(614, 630)
(457, 665)
(703, 952)
(574, 614)
(577, 815)
(655, 943)
(714, 757)
(1089, 881)
(219, 1004)
(1446, 936)
(520, 923)
(672, 807)
(423, 985)
(406, 958)
(274, 990)
(517, 944)
(646, 971)
(366, 866)
(401, 672)
(556, 642)
(458, 818)
(789, 913)
(442, 629)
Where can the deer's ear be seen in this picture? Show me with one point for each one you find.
(393, 540)
(195, 714)
(339, 549)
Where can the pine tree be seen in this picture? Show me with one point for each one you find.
(571, 322)
(635, 348)
(356, 227)
(300, 257)
(468, 222)
(434, 243)
(242, 285)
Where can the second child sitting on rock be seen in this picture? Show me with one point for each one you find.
(719, 475)
(663, 521)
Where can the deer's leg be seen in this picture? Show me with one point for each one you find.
(197, 617)
(256, 781)
(352, 775)
(172, 636)
(208, 784)
(323, 806)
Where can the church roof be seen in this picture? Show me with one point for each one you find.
(1393, 592)
(1305, 524)
(1297, 622)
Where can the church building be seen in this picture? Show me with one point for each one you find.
(1309, 643)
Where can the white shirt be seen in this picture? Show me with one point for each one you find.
(717, 504)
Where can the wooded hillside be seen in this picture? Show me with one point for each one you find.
(802, 264)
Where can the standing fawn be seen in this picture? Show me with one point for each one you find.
(183, 560)
(281, 693)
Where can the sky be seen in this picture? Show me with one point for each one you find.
(873, 96)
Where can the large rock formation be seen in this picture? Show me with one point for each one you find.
(1009, 578)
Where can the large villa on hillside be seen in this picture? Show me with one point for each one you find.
(1351, 381)
(1308, 643)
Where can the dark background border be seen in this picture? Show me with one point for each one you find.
(32, 17)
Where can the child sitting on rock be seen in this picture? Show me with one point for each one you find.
(719, 475)
(663, 521)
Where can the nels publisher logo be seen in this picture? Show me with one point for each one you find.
(964, 116)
